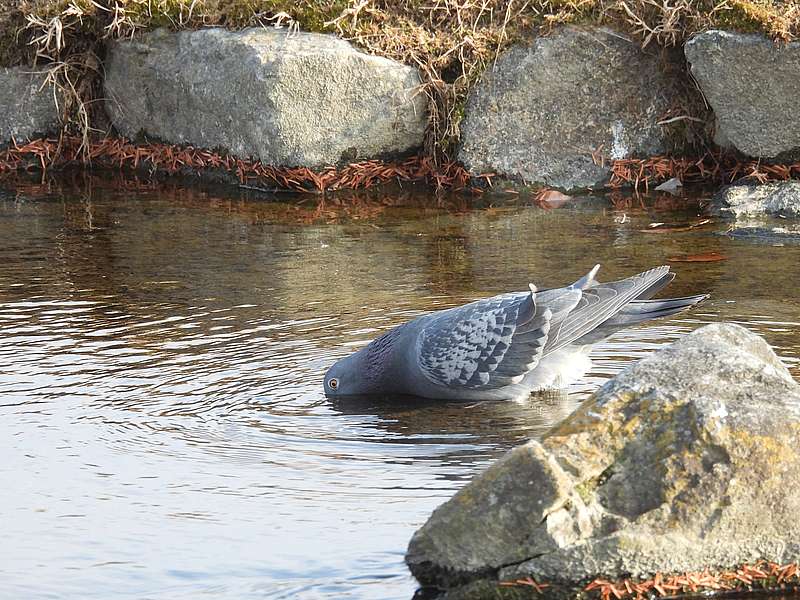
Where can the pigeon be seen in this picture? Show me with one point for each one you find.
(504, 347)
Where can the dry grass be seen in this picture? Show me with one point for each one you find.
(166, 159)
(760, 576)
(451, 41)
(713, 167)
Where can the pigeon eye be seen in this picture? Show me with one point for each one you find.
(333, 383)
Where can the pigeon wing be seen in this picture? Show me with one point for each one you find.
(491, 343)
(600, 302)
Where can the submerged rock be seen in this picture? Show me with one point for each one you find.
(774, 236)
(28, 105)
(687, 459)
(752, 85)
(558, 111)
(290, 100)
(780, 199)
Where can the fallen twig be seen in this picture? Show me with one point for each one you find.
(47, 153)
(44, 154)
(762, 575)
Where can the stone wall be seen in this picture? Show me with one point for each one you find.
(555, 111)
(559, 111)
(753, 85)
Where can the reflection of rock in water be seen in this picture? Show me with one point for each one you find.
(449, 261)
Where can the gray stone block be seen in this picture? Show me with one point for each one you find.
(559, 111)
(292, 100)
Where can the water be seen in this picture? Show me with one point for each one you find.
(163, 427)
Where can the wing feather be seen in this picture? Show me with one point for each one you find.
(600, 302)
(487, 344)
(494, 342)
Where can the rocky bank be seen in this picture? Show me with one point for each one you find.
(761, 214)
(559, 110)
(686, 460)
(781, 199)
(554, 110)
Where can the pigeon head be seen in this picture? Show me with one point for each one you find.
(342, 379)
(368, 371)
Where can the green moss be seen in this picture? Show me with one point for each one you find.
(312, 16)
(753, 17)
(586, 490)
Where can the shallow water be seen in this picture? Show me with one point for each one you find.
(162, 420)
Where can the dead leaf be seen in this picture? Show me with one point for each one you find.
(706, 257)
(656, 227)
(552, 199)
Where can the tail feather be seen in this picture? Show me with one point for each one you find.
(598, 304)
(587, 280)
(639, 311)
(657, 286)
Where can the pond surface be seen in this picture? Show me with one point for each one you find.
(162, 420)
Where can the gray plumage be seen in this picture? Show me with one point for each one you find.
(506, 346)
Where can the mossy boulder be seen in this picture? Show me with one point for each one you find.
(27, 105)
(299, 99)
(687, 459)
(559, 111)
(752, 84)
